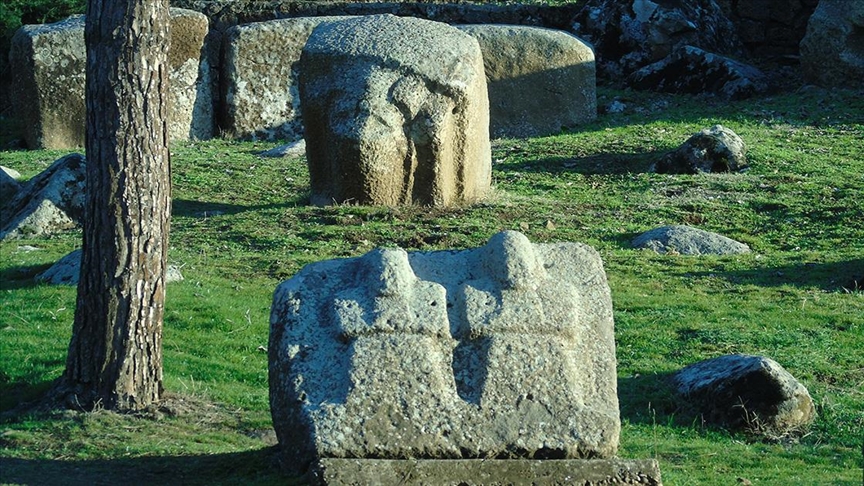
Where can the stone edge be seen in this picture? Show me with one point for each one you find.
(333, 471)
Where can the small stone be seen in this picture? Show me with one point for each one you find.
(715, 149)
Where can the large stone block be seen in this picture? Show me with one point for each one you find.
(260, 78)
(539, 80)
(396, 112)
(832, 51)
(48, 63)
(504, 351)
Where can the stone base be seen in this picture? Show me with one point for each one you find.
(594, 472)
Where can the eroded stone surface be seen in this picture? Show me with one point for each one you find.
(502, 351)
(395, 112)
(746, 391)
(540, 80)
(594, 472)
(686, 240)
(48, 62)
(261, 101)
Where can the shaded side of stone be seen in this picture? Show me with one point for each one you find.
(742, 391)
(593, 472)
(715, 149)
(540, 80)
(686, 240)
(693, 70)
(832, 51)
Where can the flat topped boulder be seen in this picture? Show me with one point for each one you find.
(540, 80)
(504, 351)
(395, 112)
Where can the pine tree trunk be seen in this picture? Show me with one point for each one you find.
(115, 355)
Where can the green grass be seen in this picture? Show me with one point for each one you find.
(242, 224)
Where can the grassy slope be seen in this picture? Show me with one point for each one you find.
(242, 225)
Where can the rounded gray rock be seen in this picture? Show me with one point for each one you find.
(686, 240)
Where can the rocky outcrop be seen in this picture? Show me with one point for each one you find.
(260, 98)
(49, 203)
(715, 149)
(832, 52)
(685, 240)
(539, 80)
(693, 70)
(742, 391)
(628, 35)
(504, 351)
(770, 27)
(396, 112)
(48, 63)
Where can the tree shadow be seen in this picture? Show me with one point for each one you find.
(256, 467)
(22, 277)
(202, 209)
(600, 164)
(844, 276)
(647, 399)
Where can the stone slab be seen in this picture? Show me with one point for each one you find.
(593, 472)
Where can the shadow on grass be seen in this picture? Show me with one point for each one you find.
(845, 276)
(256, 467)
(25, 390)
(650, 399)
(23, 277)
(601, 164)
(199, 209)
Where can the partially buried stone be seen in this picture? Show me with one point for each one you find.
(715, 149)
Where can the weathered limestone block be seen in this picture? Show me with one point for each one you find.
(539, 80)
(48, 62)
(832, 51)
(396, 112)
(504, 351)
(49, 203)
(743, 391)
(260, 78)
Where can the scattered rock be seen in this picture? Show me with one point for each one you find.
(540, 80)
(49, 203)
(396, 112)
(743, 391)
(685, 240)
(294, 149)
(628, 35)
(832, 51)
(715, 149)
(615, 107)
(502, 351)
(12, 173)
(67, 271)
(692, 70)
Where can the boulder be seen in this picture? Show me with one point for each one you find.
(692, 70)
(293, 149)
(630, 34)
(49, 203)
(832, 51)
(503, 351)
(67, 271)
(48, 64)
(9, 185)
(259, 73)
(715, 149)
(539, 80)
(396, 112)
(685, 240)
(743, 391)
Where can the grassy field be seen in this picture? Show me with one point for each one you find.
(242, 224)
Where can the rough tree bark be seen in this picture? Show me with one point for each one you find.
(115, 354)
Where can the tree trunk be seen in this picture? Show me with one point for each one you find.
(115, 355)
